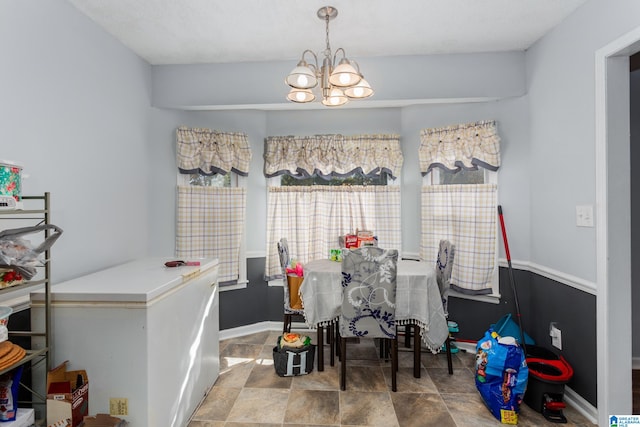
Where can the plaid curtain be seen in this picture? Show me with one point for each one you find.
(312, 219)
(466, 215)
(210, 225)
(207, 151)
(464, 146)
(332, 155)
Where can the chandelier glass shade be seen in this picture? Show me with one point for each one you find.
(338, 83)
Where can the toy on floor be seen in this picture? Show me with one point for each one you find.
(453, 328)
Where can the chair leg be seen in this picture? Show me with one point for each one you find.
(449, 361)
(394, 363)
(343, 363)
(332, 349)
(384, 348)
(407, 335)
(286, 327)
(336, 340)
(320, 330)
(417, 349)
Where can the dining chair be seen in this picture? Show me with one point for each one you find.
(368, 302)
(444, 267)
(289, 313)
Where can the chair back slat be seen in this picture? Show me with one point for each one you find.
(283, 253)
(444, 267)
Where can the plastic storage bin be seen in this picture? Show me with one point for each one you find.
(507, 327)
(11, 179)
(548, 373)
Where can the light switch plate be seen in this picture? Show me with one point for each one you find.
(584, 216)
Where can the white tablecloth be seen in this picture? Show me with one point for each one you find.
(417, 298)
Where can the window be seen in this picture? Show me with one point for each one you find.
(477, 179)
(463, 176)
(317, 192)
(215, 180)
(211, 199)
(459, 164)
(354, 179)
(211, 223)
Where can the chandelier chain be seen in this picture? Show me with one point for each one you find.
(327, 52)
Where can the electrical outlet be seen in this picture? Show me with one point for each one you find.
(556, 337)
(118, 406)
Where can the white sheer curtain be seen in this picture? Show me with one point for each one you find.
(465, 214)
(210, 224)
(313, 218)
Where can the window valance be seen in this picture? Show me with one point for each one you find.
(464, 146)
(210, 152)
(332, 155)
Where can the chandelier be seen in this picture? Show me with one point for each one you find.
(338, 83)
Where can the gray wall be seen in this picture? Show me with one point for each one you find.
(75, 110)
(561, 91)
(241, 85)
(561, 86)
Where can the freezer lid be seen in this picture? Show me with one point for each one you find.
(138, 281)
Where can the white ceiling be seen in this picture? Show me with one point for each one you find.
(210, 31)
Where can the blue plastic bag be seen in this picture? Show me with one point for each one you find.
(501, 375)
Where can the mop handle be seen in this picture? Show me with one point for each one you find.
(513, 280)
(504, 234)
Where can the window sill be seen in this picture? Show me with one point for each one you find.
(490, 298)
(276, 282)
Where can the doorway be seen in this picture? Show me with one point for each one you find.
(613, 210)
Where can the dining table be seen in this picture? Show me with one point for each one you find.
(418, 300)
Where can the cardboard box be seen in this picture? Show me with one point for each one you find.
(67, 395)
(103, 420)
(350, 241)
(366, 238)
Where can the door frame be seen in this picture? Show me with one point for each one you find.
(613, 220)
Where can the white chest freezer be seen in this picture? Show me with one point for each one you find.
(142, 331)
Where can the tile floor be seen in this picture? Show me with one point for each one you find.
(249, 393)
